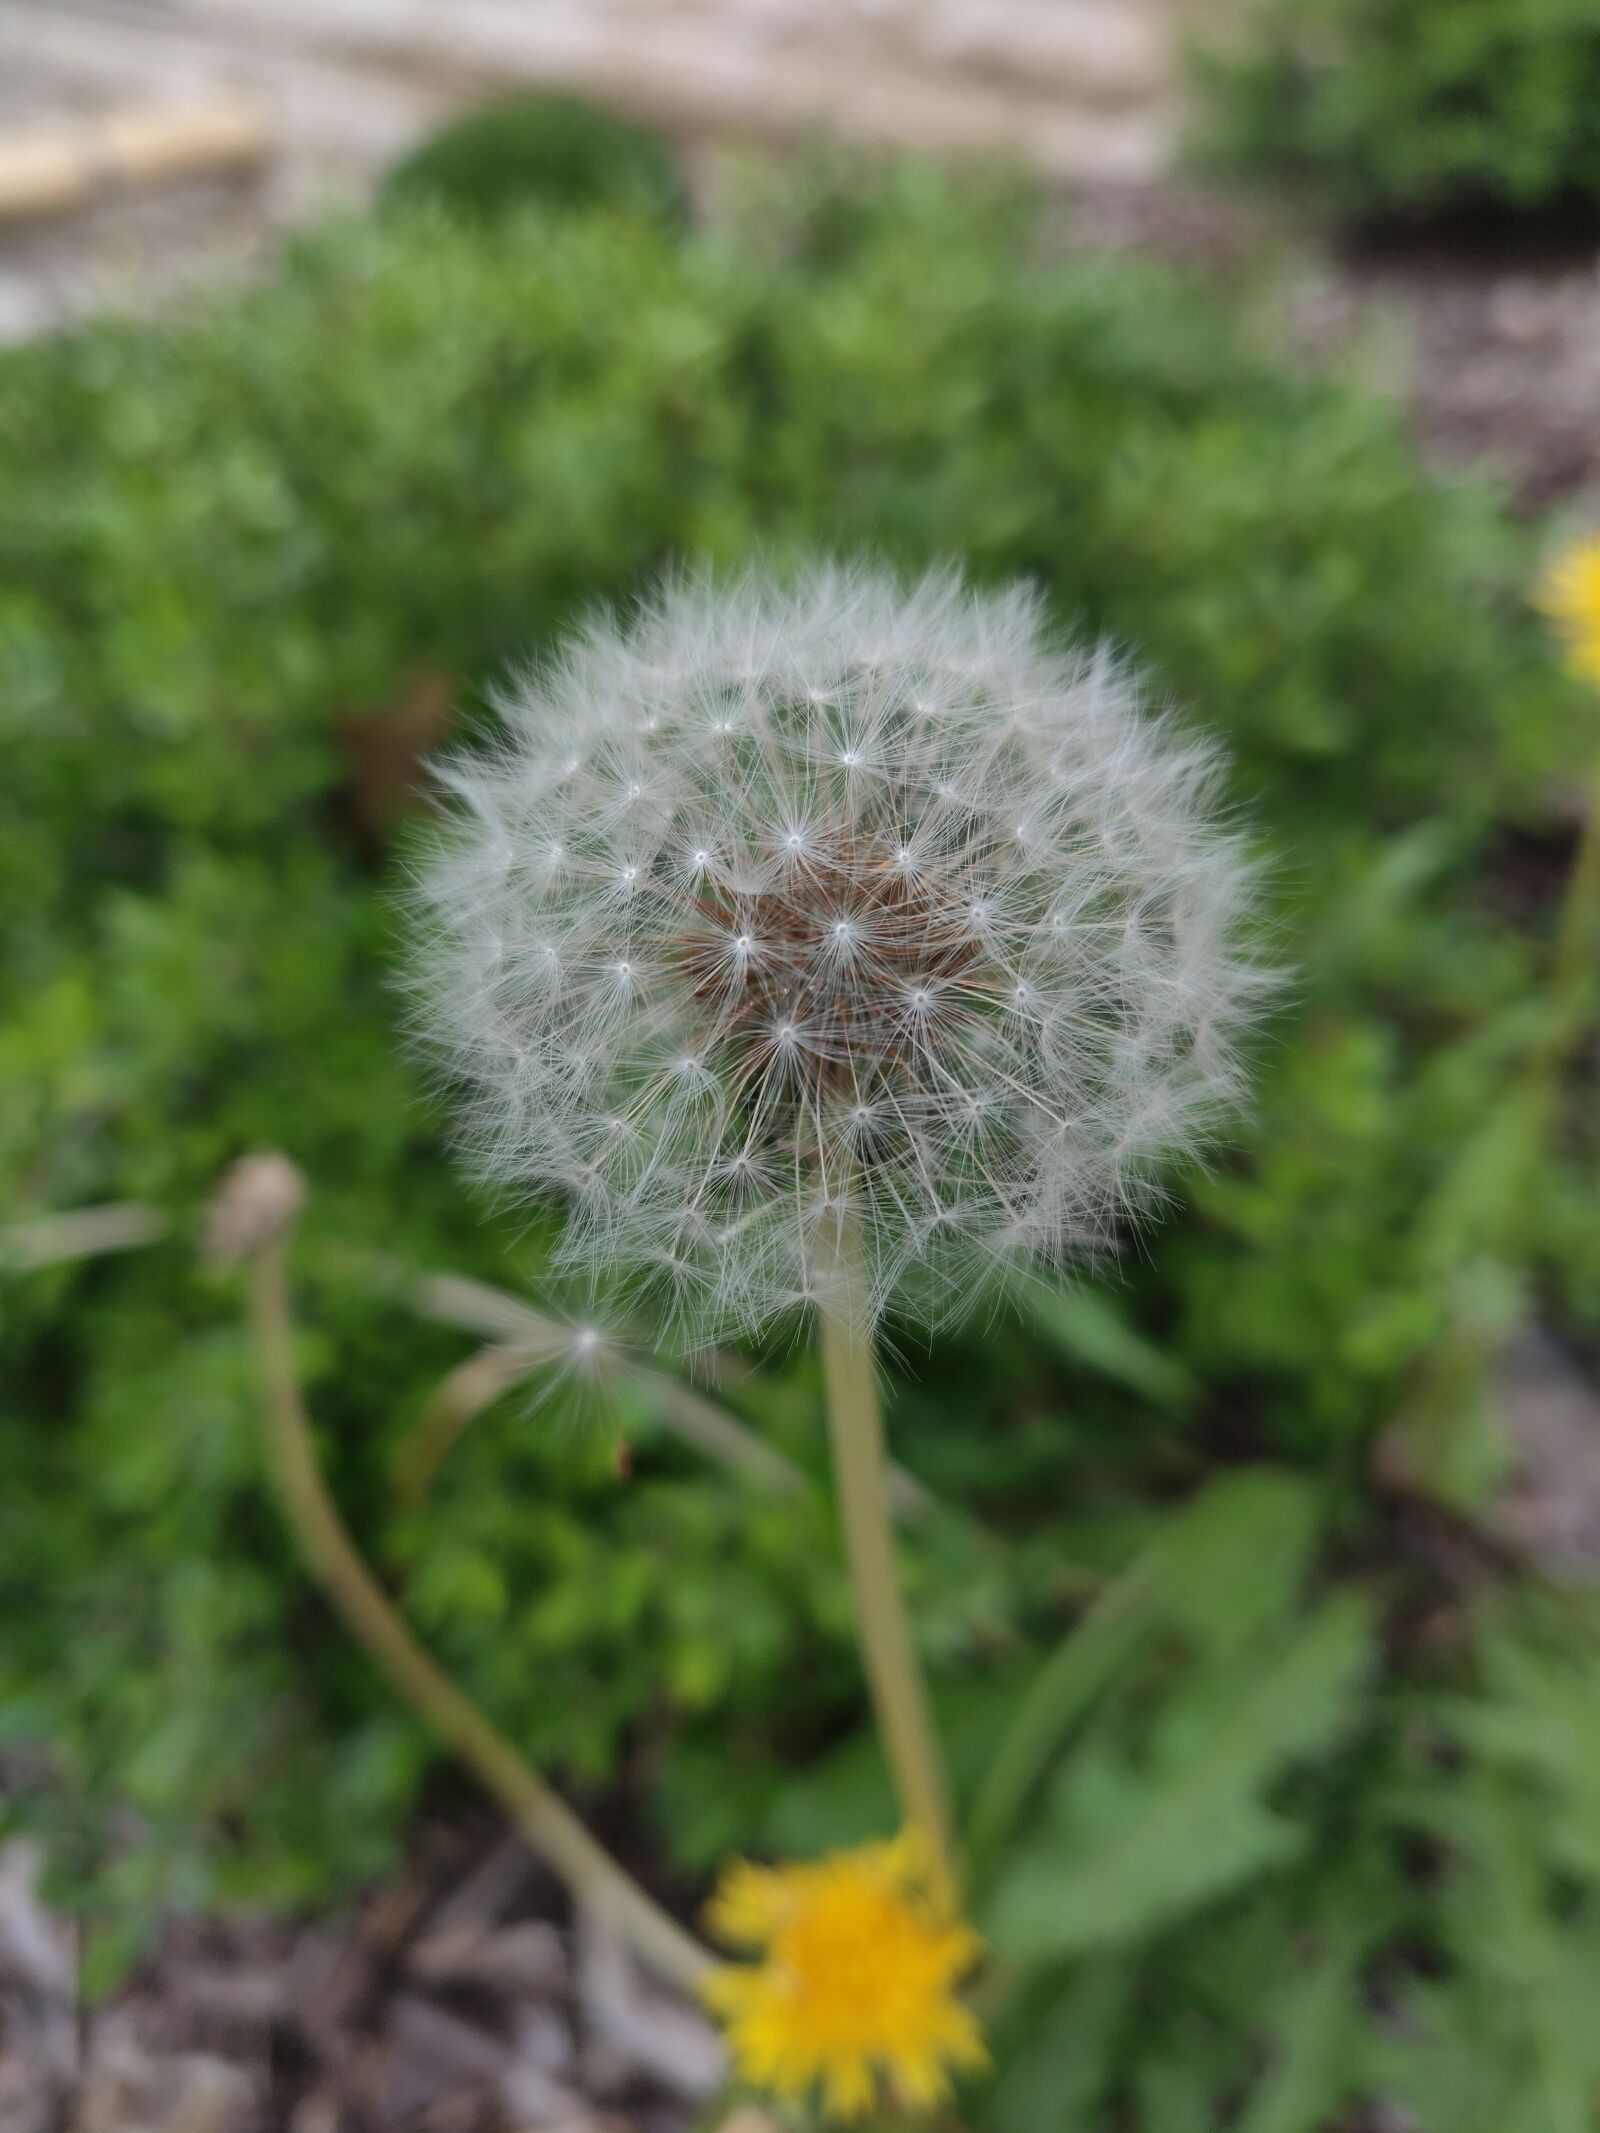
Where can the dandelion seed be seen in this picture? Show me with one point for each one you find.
(899, 864)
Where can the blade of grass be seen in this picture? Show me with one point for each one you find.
(1094, 1651)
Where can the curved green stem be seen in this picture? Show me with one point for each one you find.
(899, 1696)
(331, 1556)
(80, 1233)
(1100, 1644)
(459, 1398)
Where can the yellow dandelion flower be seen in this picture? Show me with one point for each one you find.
(854, 1992)
(1570, 595)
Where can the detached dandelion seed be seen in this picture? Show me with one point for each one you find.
(1007, 898)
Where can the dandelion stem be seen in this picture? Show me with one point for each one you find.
(899, 1695)
(80, 1233)
(457, 1401)
(539, 1812)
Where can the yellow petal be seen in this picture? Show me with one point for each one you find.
(854, 1995)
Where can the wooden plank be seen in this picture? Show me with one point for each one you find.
(1072, 105)
(43, 174)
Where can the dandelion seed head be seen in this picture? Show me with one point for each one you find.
(923, 923)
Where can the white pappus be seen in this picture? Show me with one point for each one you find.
(790, 914)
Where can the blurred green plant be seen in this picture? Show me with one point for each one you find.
(1410, 108)
(250, 559)
(541, 147)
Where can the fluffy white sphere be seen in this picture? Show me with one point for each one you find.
(833, 920)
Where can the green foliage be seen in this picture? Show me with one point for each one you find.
(1161, 1808)
(1129, 1843)
(1412, 107)
(249, 560)
(1417, 1920)
(540, 147)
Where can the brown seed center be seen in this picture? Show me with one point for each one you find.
(838, 978)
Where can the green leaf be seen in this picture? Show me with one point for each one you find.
(1230, 1560)
(1089, 1328)
(1538, 1721)
(1503, 2032)
(1172, 2098)
(1057, 2076)
(1134, 1843)
(1562, 2031)
(1104, 1641)
(1234, 1561)
(1311, 2072)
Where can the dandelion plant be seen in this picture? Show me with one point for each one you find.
(832, 951)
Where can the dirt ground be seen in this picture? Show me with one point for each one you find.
(1493, 344)
(458, 1998)
(1499, 359)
